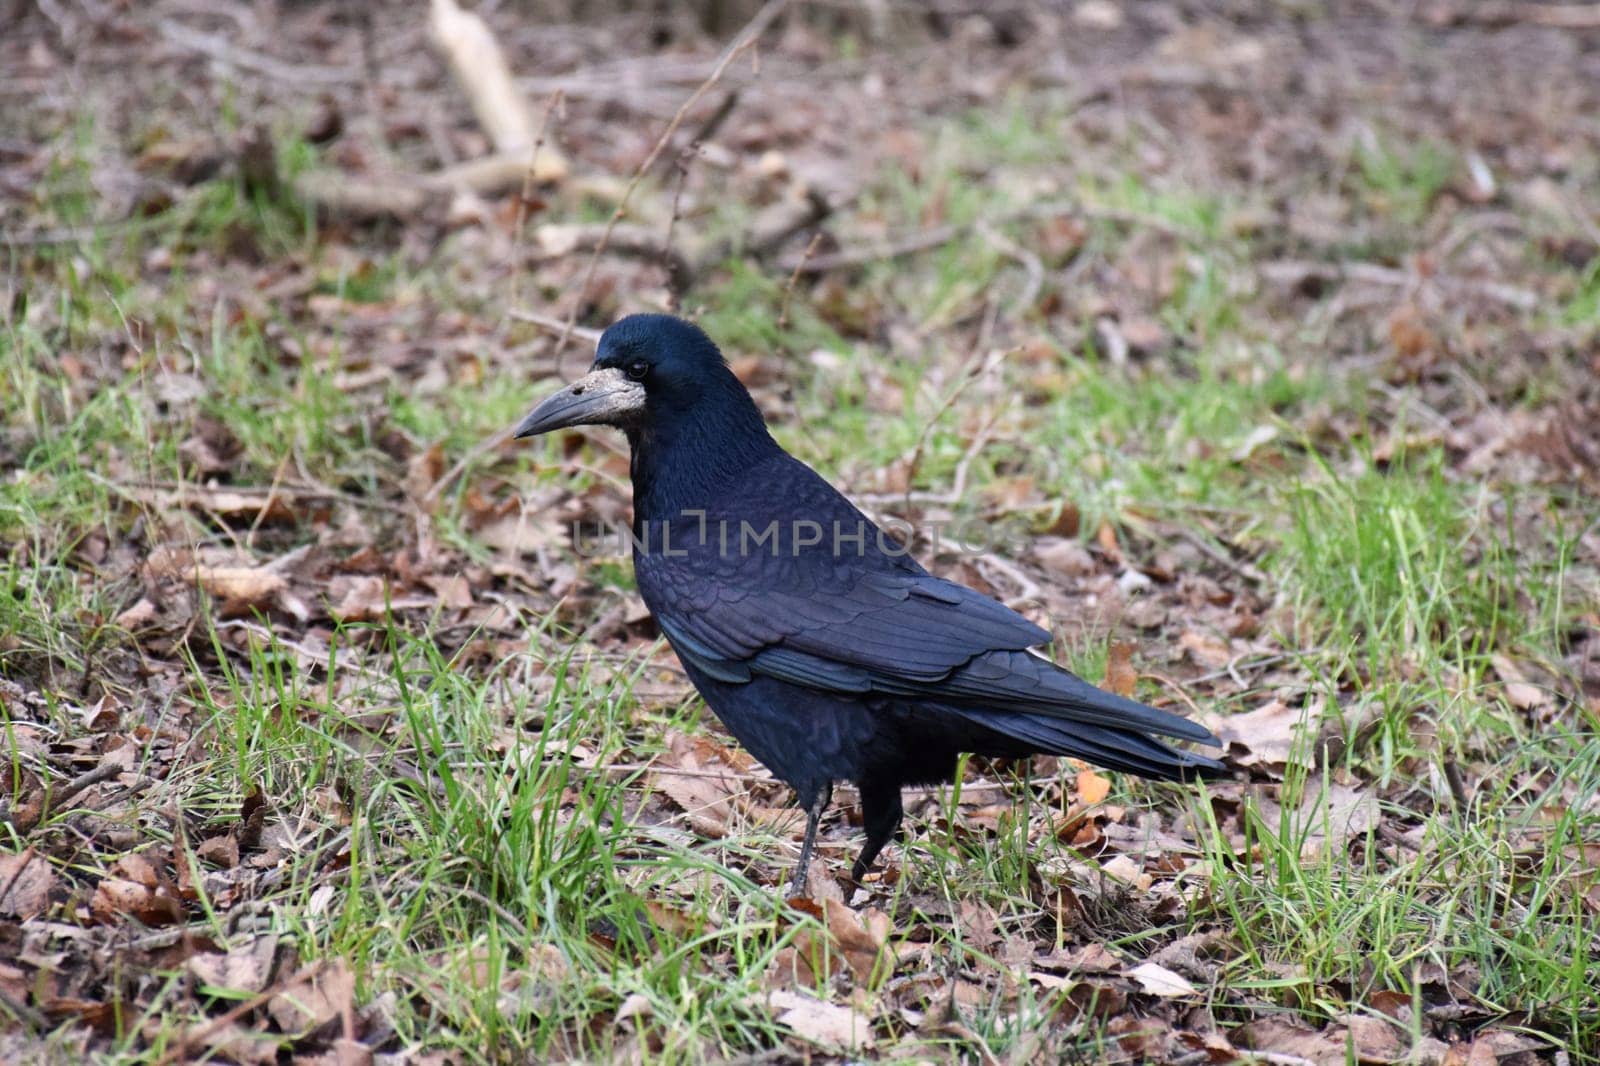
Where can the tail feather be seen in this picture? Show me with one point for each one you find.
(1125, 750)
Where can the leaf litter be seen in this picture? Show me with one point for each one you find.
(117, 876)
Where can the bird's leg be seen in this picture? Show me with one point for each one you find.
(814, 809)
(881, 812)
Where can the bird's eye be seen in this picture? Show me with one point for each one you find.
(638, 369)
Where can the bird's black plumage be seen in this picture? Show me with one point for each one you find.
(824, 649)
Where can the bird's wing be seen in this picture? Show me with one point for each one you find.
(859, 623)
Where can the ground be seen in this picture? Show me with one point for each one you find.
(1251, 348)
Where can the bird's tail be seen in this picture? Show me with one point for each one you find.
(1126, 750)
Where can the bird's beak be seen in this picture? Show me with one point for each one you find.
(601, 397)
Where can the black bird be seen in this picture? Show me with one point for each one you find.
(825, 649)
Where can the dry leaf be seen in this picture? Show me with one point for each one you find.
(819, 1023)
(1323, 1047)
(247, 968)
(1268, 735)
(860, 938)
(116, 896)
(702, 793)
(28, 879)
(1065, 557)
(1207, 649)
(1521, 693)
(357, 599)
(1120, 677)
(139, 615)
(240, 586)
(313, 1001)
(1160, 981)
(1092, 788)
(1375, 1040)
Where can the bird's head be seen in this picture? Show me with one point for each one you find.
(646, 368)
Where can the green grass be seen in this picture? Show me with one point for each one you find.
(474, 833)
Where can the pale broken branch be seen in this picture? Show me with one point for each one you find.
(522, 156)
(481, 70)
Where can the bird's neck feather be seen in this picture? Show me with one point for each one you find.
(688, 460)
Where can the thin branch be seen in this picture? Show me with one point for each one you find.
(103, 772)
(1030, 263)
(1556, 16)
(962, 386)
(556, 325)
(232, 55)
(794, 279)
(1294, 271)
(527, 195)
(746, 38)
(941, 235)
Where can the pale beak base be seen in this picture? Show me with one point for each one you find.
(605, 397)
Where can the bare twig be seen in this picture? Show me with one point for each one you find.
(637, 242)
(481, 70)
(1294, 271)
(556, 325)
(708, 129)
(22, 864)
(527, 195)
(1027, 588)
(962, 386)
(1556, 16)
(256, 63)
(746, 38)
(958, 481)
(940, 235)
(103, 772)
(1031, 264)
(794, 279)
(78, 234)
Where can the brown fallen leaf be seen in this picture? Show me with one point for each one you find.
(25, 882)
(220, 851)
(860, 937)
(316, 999)
(1323, 1047)
(1207, 649)
(698, 788)
(1091, 958)
(115, 897)
(241, 586)
(1520, 692)
(247, 968)
(1375, 1040)
(1270, 735)
(1065, 557)
(1092, 788)
(1493, 1047)
(822, 1024)
(138, 616)
(1120, 677)
(363, 598)
(1333, 813)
